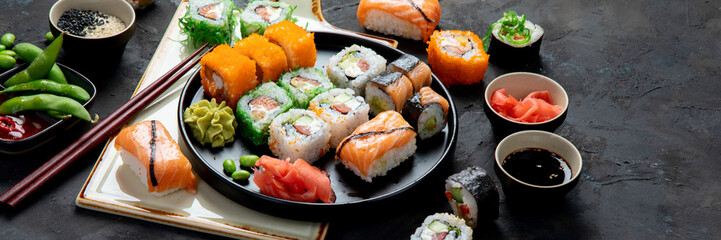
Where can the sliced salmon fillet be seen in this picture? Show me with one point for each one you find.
(166, 166)
(536, 107)
(371, 140)
(297, 181)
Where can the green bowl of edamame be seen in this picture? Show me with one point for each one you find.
(39, 127)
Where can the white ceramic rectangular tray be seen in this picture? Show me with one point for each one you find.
(113, 188)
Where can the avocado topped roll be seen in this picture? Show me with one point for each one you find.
(354, 66)
(304, 84)
(257, 108)
(515, 39)
(342, 110)
(299, 134)
(260, 14)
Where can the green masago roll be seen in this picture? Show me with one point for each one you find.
(257, 108)
(260, 14)
(210, 122)
(210, 21)
(304, 84)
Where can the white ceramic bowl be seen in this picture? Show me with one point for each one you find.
(519, 85)
(514, 188)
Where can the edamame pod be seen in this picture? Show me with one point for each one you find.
(47, 86)
(8, 39)
(8, 52)
(28, 52)
(6, 61)
(45, 102)
(58, 115)
(40, 66)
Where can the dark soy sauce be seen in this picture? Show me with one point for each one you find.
(537, 166)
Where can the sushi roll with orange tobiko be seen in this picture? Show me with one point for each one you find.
(457, 57)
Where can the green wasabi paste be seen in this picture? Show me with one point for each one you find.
(210, 122)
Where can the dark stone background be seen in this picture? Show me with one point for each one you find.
(643, 81)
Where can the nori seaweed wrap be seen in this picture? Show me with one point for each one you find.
(473, 195)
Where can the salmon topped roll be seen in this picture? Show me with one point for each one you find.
(414, 19)
(377, 146)
(427, 111)
(270, 58)
(158, 161)
(226, 74)
(298, 44)
(414, 69)
(388, 91)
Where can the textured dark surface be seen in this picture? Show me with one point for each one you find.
(643, 82)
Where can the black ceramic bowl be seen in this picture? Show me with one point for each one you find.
(96, 50)
(55, 125)
(518, 85)
(353, 195)
(517, 190)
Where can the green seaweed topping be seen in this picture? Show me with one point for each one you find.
(511, 27)
(200, 32)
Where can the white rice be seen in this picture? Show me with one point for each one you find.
(430, 111)
(376, 62)
(423, 233)
(384, 22)
(341, 125)
(286, 142)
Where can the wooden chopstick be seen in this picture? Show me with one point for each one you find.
(98, 133)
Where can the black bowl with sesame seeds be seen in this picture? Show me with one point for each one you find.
(96, 30)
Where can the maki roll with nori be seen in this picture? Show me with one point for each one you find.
(442, 226)
(427, 111)
(514, 40)
(473, 195)
(257, 108)
(299, 134)
(354, 66)
(388, 91)
(208, 21)
(414, 69)
(260, 14)
(304, 84)
(340, 108)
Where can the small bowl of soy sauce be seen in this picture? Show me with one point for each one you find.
(537, 166)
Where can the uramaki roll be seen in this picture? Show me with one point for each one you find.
(298, 44)
(270, 58)
(226, 74)
(457, 57)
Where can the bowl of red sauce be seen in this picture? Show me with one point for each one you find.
(524, 101)
(24, 131)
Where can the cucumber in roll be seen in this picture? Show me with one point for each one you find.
(354, 66)
(442, 226)
(304, 84)
(260, 14)
(513, 40)
(257, 108)
(473, 195)
(299, 134)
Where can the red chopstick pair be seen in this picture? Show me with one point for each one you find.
(98, 133)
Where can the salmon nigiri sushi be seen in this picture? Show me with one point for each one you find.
(414, 19)
(296, 181)
(378, 145)
(158, 161)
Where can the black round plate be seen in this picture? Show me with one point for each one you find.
(352, 193)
